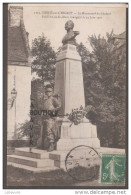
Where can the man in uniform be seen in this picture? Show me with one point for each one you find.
(49, 131)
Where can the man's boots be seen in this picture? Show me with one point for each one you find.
(51, 147)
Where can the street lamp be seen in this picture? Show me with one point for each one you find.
(13, 97)
(13, 94)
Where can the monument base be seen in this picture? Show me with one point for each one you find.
(68, 144)
(74, 135)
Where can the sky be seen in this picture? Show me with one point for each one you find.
(88, 19)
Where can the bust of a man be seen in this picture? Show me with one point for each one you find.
(69, 38)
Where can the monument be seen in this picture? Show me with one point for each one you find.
(78, 143)
(69, 85)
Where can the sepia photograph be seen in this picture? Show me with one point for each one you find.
(65, 99)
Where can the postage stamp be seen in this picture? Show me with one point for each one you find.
(113, 168)
(83, 163)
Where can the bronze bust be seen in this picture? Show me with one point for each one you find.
(69, 38)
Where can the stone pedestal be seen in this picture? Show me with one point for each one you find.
(69, 85)
(69, 79)
(74, 135)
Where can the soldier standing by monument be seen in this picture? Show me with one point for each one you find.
(49, 131)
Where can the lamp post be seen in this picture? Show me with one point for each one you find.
(13, 97)
(13, 94)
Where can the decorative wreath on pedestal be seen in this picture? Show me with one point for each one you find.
(77, 115)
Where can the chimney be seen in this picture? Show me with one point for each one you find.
(15, 15)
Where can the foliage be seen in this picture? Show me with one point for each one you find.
(37, 93)
(25, 131)
(104, 72)
(43, 65)
(77, 115)
(44, 58)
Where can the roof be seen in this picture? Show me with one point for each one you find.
(120, 40)
(16, 45)
(120, 36)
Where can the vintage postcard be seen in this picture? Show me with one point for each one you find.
(65, 96)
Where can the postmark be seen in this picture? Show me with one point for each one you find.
(113, 168)
(83, 163)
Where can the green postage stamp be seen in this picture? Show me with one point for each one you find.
(113, 168)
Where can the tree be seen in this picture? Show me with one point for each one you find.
(44, 58)
(104, 72)
(43, 64)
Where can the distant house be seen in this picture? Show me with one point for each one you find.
(19, 72)
(120, 39)
(119, 47)
(120, 42)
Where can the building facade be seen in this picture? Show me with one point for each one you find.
(19, 72)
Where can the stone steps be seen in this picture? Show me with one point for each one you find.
(33, 169)
(40, 160)
(37, 160)
(24, 160)
(35, 153)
